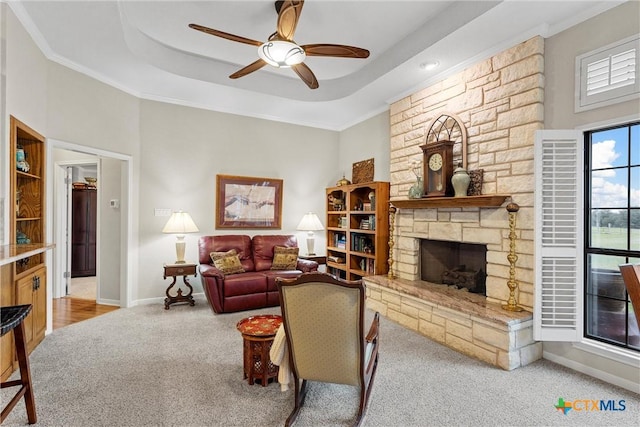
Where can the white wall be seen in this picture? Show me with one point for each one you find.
(110, 220)
(560, 52)
(366, 140)
(25, 93)
(182, 151)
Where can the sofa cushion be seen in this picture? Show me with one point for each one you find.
(227, 262)
(245, 284)
(263, 247)
(240, 242)
(284, 258)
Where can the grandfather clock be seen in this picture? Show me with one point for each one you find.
(438, 168)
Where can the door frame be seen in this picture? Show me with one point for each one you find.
(61, 226)
(128, 255)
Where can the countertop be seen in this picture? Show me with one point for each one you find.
(12, 253)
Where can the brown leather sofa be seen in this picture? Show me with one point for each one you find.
(256, 287)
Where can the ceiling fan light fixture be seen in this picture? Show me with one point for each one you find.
(281, 53)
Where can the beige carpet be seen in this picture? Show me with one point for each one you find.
(150, 367)
(83, 287)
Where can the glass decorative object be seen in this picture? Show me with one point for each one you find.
(417, 189)
(21, 160)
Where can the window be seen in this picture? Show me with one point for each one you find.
(612, 232)
(608, 75)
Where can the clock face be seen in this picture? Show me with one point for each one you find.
(435, 162)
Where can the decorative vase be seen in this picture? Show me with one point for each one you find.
(416, 191)
(460, 181)
(21, 160)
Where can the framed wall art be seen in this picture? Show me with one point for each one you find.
(362, 171)
(248, 202)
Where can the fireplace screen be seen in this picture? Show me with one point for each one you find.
(462, 265)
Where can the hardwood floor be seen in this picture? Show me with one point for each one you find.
(67, 311)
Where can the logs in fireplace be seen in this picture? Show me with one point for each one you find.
(472, 280)
(454, 264)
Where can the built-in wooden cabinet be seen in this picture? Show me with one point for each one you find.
(358, 230)
(31, 289)
(27, 192)
(7, 353)
(24, 280)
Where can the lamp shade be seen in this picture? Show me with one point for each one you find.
(180, 223)
(310, 222)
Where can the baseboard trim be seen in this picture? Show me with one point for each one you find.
(158, 300)
(591, 371)
(114, 302)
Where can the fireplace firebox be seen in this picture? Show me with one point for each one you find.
(462, 265)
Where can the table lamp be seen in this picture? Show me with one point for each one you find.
(179, 224)
(310, 223)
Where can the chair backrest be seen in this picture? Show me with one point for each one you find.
(324, 323)
(631, 276)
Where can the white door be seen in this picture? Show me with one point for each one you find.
(67, 238)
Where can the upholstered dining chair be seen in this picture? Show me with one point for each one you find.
(323, 319)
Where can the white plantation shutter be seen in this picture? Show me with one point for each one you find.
(608, 75)
(612, 72)
(558, 236)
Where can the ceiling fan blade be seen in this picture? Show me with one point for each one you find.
(224, 35)
(288, 16)
(248, 69)
(336, 50)
(306, 75)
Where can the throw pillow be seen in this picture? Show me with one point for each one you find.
(227, 262)
(284, 258)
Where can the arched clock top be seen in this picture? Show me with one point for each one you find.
(448, 127)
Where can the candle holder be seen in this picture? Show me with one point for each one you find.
(392, 220)
(512, 283)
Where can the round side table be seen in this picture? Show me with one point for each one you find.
(258, 333)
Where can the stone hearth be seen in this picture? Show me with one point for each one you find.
(461, 320)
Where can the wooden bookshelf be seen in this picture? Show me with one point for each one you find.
(358, 230)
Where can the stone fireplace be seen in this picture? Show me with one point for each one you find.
(500, 102)
(455, 264)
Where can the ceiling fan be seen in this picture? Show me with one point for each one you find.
(281, 51)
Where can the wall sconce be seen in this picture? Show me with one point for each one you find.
(310, 223)
(179, 224)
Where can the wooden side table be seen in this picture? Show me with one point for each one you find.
(258, 333)
(320, 259)
(175, 270)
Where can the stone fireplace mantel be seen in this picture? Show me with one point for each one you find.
(483, 201)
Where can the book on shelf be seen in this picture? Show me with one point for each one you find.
(361, 243)
(367, 265)
(336, 259)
